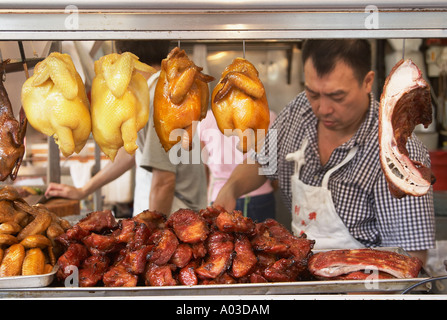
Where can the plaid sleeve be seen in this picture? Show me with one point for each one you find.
(409, 222)
(267, 157)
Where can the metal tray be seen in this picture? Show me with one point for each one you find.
(41, 280)
(387, 286)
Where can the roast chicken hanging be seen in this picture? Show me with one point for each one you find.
(56, 104)
(240, 106)
(12, 134)
(120, 102)
(405, 103)
(181, 99)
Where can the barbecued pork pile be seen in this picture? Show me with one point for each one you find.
(405, 103)
(211, 246)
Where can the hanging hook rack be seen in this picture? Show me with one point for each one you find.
(4, 69)
(22, 55)
(243, 49)
(403, 49)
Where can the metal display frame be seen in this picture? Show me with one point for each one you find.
(280, 20)
(221, 20)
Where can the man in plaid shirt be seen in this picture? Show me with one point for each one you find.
(335, 115)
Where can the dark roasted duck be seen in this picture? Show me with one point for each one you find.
(12, 134)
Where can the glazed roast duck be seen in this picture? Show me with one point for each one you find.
(404, 103)
(239, 104)
(12, 134)
(180, 100)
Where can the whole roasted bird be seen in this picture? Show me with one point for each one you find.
(56, 104)
(120, 102)
(181, 98)
(405, 103)
(239, 104)
(12, 134)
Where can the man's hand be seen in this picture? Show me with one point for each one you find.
(225, 199)
(64, 191)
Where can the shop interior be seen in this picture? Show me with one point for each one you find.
(280, 68)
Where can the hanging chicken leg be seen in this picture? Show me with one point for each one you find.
(181, 97)
(240, 105)
(12, 134)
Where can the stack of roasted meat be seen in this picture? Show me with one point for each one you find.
(211, 246)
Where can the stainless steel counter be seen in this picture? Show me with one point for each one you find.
(200, 20)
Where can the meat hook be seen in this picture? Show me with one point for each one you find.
(22, 55)
(4, 70)
(403, 49)
(243, 49)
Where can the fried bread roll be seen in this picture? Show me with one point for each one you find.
(13, 260)
(34, 262)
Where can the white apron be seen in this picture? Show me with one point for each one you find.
(313, 211)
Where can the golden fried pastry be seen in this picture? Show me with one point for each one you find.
(12, 261)
(6, 211)
(36, 241)
(9, 193)
(48, 268)
(34, 262)
(10, 227)
(7, 239)
(40, 223)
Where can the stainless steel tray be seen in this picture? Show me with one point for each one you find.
(279, 288)
(284, 288)
(37, 281)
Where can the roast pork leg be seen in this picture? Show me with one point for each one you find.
(405, 103)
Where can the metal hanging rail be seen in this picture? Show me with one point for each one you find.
(219, 20)
(229, 5)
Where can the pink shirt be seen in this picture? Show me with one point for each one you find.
(222, 156)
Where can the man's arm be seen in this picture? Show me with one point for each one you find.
(123, 162)
(162, 191)
(244, 179)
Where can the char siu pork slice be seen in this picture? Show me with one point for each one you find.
(334, 263)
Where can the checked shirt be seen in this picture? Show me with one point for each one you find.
(359, 189)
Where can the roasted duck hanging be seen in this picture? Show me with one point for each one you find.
(240, 106)
(120, 102)
(181, 98)
(405, 103)
(12, 134)
(56, 104)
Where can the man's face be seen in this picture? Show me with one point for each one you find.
(338, 100)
